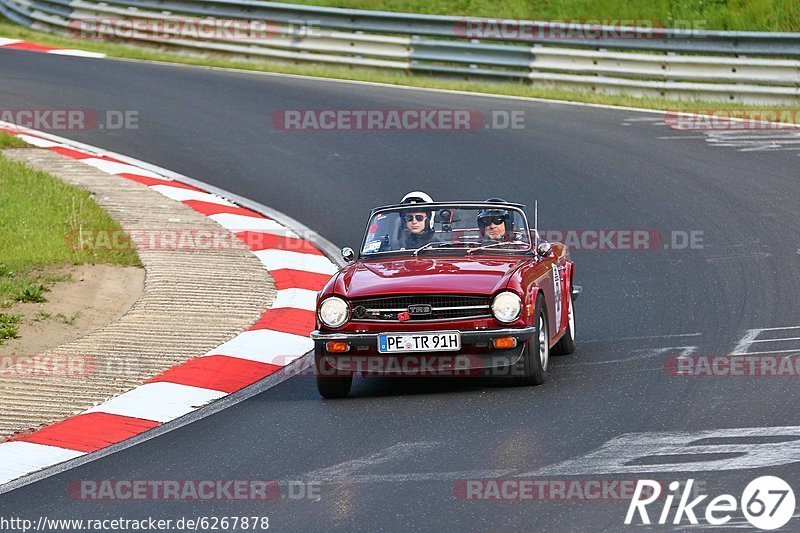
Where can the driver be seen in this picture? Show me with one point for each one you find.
(416, 228)
(495, 225)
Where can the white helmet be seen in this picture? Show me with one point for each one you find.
(419, 197)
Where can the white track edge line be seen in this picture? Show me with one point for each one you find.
(428, 89)
(441, 91)
(391, 85)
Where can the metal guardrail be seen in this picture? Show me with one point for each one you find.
(754, 67)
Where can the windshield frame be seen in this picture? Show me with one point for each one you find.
(434, 206)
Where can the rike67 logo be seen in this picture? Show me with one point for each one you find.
(767, 503)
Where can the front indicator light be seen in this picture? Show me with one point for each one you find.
(337, 346)
(504, 343)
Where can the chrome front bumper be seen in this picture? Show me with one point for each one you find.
(467, 337)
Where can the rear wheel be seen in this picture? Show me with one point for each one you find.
(536, 353)
(330, 383)
(566, 345)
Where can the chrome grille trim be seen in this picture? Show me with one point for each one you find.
(443, 307)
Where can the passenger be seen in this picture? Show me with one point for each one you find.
(495, 225)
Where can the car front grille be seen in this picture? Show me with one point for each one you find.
(442, 307)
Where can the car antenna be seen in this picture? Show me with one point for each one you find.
(536, 220)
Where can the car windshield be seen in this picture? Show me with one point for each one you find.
(468, 228)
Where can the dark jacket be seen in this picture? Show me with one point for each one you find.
(412, 241)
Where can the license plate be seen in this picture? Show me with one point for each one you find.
(440, 341)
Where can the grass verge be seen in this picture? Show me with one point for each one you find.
(525, 90)
(11, 141)
(39, 216)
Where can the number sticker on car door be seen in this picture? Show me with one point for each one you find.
(557, 296)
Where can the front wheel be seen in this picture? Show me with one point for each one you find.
(566, 345)
(536, 353)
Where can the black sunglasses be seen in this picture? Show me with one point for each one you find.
(418, 218)
(494, 220)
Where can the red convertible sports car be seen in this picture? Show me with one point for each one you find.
(456, 288)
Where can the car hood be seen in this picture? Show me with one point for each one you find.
(427, 275)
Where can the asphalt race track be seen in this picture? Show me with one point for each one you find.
(389, 457)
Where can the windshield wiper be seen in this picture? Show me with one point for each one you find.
(440, 243)
(516, 243)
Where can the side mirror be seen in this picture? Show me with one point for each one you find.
(544, 249)
(348, 254)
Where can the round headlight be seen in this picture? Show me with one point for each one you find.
(506, 306)
(333, 312)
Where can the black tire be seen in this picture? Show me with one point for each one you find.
(330, 383)
(333, 388)
(531, 369)
(566, 345)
